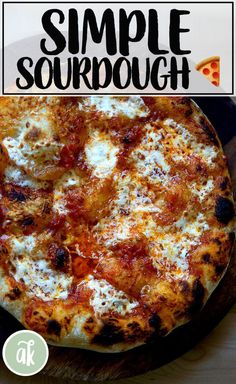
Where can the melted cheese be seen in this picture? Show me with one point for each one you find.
(101, 154)
(185, 143)
(41, 280)
(149, 155)
(116, 229)
(29, 149)
(195, 227)
(133, 196)
(34, 270)
(23, 245)
(131, 107)
(202, 191)
(69, 179)
(18, 177)
(106, 298)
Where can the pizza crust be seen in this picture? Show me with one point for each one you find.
(116, 251)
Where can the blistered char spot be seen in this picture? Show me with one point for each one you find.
(224, 210)
(61, 258)
(16, 196)
(109, 335)
(224, 184)
(198, 293)
(231, 238)
(158, 331)
(184, 287)
(206, 257)
(27, 221)
(219, 269)
(155, 321)
(14, 294)
(53, 327)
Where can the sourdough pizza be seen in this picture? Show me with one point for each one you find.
(117, 217)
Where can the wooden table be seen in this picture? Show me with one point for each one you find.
(212, 361)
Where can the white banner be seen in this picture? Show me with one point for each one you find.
(118, 48)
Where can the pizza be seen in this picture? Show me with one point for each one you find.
(210, 68)
(117, 217)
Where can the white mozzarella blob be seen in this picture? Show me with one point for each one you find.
(133, 195)
(101, 154)
(18, 177)
(41, 280)
(22, 245)
(35, 272)
(149, 156)
(131, 107)
(114, 230)
(106, 298)
(35, 143)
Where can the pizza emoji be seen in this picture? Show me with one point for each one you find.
(210, 68)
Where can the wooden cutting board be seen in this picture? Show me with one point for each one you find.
(76, 364)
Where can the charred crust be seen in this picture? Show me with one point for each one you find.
(188, 112)
(156, 335)
(224, 210)
(199, 168)
(181, 101)
(155, 322)
(127, 139)
(14, 294)
(27, 221)
(198, 293)
(217, 241)
(110, 334)
(224, 184)
(90, 320)
(219, 269)
(135, 332)
(3, 250)
(208, 131)
(232, 238)
(15, 195)
(47, 208)
(134, 326)
(206, 257)
(61, 257)
(184, 286)
(53, 327)
(124, 212)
